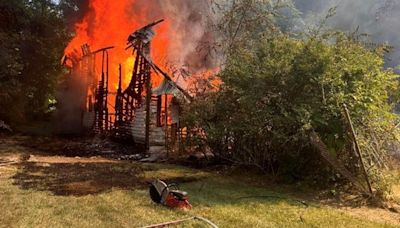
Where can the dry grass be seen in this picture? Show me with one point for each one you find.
(45, 191)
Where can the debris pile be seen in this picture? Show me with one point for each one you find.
(4, 127)
(84, 147)
(100, 147)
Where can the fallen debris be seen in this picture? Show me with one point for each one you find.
(103, 148)
(134, 157)
(4, 127)
(152, 158)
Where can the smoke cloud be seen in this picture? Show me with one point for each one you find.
(188, 24)
(189, 28)
(377, 18)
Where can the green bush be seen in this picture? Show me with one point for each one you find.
(272, 96)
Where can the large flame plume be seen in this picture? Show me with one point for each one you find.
(109, 23)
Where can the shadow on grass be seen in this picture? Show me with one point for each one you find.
(79, 179)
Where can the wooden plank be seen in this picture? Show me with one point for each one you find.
(358, 150)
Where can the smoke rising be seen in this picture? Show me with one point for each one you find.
(73, 10)
(377, 18)
(187, 24)
(70, 99)
(186, 19)
(189, 28)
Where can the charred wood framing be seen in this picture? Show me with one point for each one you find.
(102, 123)
(129, 100)
(137, 114)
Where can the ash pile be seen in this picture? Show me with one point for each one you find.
(101, 147)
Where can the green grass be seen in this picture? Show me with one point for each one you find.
(213, 196)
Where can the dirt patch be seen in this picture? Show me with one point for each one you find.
(10, 158)
(70, 160)
(361, 207)
(374, 214)
(8, 164)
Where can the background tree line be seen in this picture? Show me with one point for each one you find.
(33, 35)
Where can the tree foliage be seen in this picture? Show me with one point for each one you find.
(275, 94)
(33, 37)
(242, 23)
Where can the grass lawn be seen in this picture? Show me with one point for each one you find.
(39, 190)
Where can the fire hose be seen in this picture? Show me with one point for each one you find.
(175, 222)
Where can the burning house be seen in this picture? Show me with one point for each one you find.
(145, 111)
(126, 90)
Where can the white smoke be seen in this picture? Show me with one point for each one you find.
(188, 20)
(377, 18)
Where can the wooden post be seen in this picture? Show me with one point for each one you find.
(166, 123)
(148, 110)
(106, 95)
(166, 110)
(159, 108)
(358, 150)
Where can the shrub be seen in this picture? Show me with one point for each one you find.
(272, 96)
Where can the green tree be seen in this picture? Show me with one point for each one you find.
(242, 23)
(33, 36)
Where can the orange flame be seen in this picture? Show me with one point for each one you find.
(109, 23)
